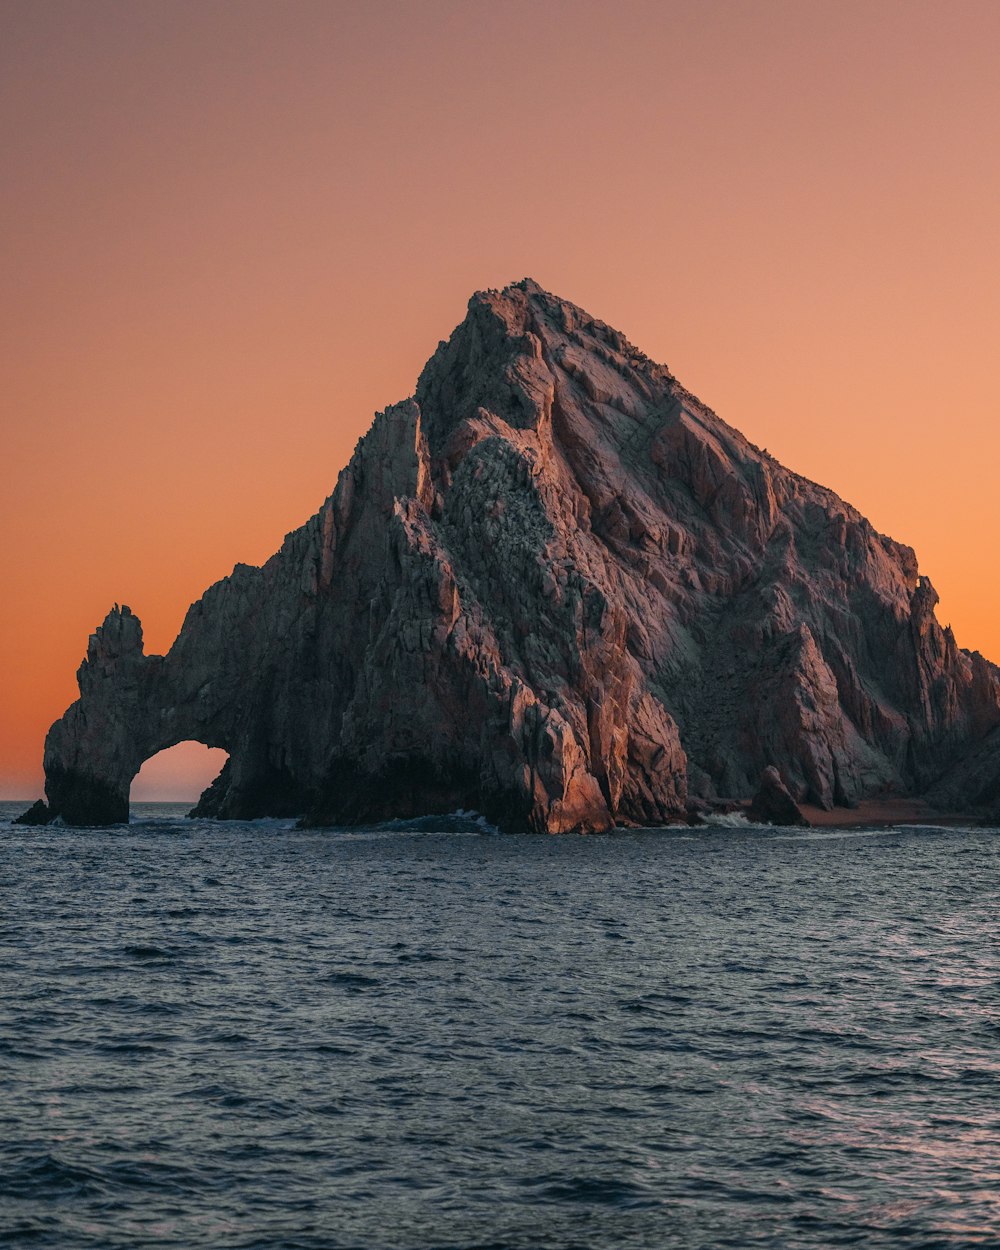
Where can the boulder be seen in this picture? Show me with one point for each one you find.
(37, 814)
(772, 804)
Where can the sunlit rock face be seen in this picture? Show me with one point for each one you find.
(555, 588)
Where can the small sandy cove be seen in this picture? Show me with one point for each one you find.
(882, 812)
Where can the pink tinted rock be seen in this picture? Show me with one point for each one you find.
(555, 587)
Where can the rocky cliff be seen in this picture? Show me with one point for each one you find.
(555, 588)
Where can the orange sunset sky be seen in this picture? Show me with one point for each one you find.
(232, 231)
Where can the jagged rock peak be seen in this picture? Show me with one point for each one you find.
(553, 587)
(499, 353)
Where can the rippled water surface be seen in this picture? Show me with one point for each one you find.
(244, 1035)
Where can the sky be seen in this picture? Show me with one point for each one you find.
(232, 232)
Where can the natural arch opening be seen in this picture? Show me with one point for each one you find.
(178, 774)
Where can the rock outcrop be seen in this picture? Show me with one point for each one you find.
(37, 814)
(552, 587)
(972, 785)
(772, 804)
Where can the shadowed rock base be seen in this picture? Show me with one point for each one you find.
(772, 804)
(553, 587)
(84, 800)
(37, 814)
(269, 792)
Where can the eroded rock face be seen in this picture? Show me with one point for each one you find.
(555, 588)
(972, 785)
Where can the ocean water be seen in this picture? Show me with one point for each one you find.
(245, 1035)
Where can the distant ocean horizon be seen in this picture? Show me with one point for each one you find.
(245, 1034)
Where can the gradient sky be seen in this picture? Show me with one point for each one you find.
(232, 231)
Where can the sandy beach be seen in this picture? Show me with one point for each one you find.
(891, 811)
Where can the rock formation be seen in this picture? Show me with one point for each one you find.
(972, 786)
(772, 804)
(552, 587)
(37, 814)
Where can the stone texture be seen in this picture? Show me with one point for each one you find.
(772, 804)
(972, 785)
(555, 588)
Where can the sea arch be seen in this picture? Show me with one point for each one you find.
(132, 706)
(177, 774)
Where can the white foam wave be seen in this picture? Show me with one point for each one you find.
(727, 820)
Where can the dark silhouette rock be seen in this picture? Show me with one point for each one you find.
(37, 814)
(554, 588)
(772, 804)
